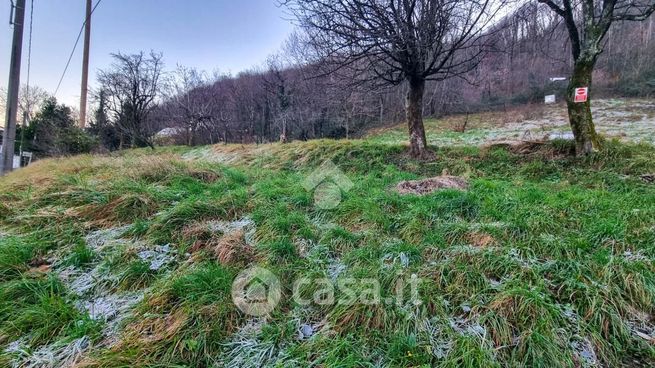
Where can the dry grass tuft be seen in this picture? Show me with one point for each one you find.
(371, 318)
(228, 249)
(518, 146)
(522, 113)
(480, 239)
(153, 168)
(151, 330)
(426, 186)
(5, 211)
(232, 249)
(540, 148)
(120, 210)
(162, 168)
(206, 176)
(197, 232)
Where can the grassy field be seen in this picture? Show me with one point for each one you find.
(630, 120)
(544, 261)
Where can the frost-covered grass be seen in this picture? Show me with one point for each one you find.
(630, 120)
(128, 260)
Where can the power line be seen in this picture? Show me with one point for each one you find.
(28, 107)
(74, 47)
(29, 54)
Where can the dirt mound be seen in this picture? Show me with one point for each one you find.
(430, 185)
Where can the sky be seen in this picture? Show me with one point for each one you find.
(225, 35)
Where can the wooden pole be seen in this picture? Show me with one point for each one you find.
(9, 135)
(85, 65)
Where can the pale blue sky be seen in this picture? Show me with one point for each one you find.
(228, 35)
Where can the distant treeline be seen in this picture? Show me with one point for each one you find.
(289, 99)
(292, 97)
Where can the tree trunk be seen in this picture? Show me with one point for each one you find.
(347, 127)
(582, 125)
(414, 113)
(283, 136)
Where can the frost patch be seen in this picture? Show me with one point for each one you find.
(158, 257)
(484, 225)
(17, 346)
(111, 309)
(642, 327)
(584, 352)
(335, 269)
(226, 227)
(440, 343)
(245, 349)
(321, 255)
(84, 282)
(95, 286)
(101, 239)
(466, 327)
(95, 291)
(54, 355)
(637, 256)
(494, 283)
(389, 260)
(628, 120)
(568, 313)
(465, 249)
(560, 135)
(527, 262)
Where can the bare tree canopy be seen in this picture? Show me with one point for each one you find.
(30, 100)
(190, 101)
(587, 23)
(132, 85)
(399, 40)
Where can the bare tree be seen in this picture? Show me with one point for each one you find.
(276, 84)
(292, 93)
(587, 23)
(397, 41)
(30, 100)
(190, 100)
(132, 86)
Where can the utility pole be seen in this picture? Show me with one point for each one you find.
(9, 136)
(85, 65)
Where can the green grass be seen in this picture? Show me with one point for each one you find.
(41, 309)
(533, 257)
(80, 256)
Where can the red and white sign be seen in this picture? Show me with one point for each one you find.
(581, 94)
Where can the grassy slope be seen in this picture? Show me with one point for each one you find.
(552, 273)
